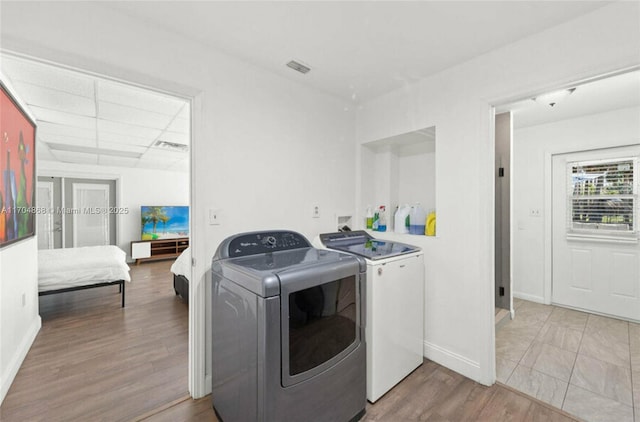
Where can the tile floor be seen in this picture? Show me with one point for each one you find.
(584, 364)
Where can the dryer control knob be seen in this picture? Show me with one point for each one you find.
(270, 241)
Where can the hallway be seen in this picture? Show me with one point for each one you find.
(584, 364)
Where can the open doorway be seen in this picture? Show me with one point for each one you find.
(575, 250)
(105, 151)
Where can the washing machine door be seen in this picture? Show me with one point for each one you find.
(320, 318)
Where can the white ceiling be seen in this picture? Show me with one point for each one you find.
(613, 93)
(89, 120)
(356, 50)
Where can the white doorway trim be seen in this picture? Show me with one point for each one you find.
(197, 384)
(494, 103)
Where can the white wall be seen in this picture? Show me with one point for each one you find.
(19, 324)
(136, 187)
(19, 319)
(530, 147)
(266, 149)
(459, 262)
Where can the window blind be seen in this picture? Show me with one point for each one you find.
(603, 197)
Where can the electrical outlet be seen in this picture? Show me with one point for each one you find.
(315, 212)
(24, 300)
(534, 212)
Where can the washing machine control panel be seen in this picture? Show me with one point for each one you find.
(265, 242)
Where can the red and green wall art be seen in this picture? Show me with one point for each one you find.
(17, 171)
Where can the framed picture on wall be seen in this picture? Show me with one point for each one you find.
(17, 170)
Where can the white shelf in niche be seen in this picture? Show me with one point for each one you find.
(399, 169)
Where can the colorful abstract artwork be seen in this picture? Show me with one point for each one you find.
(17, 171)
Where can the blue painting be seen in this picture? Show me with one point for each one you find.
(164, 222)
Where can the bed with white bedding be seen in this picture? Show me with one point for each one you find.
(181, 269)
(65, 270)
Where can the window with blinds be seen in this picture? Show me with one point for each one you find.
(603, 198)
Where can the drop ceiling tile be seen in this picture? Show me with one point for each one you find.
(161, 153)
(75, 157)
(129, 130)
(129, 115)
(43, 153)
(181, 166)
(57, 100)
(46, 130)
(117, 138)
(63, 118)
(107, 160)
(65, 140)
(156, 163)
(121, 147)
(180, 125)
(177, 138)
(185, 112)
(142, 99)
(47, 76)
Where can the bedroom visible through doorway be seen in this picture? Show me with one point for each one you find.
(105, 150)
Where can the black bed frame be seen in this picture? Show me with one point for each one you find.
(89, 286)
(181, 287)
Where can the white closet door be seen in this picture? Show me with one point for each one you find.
(91, 217)
(44, 220)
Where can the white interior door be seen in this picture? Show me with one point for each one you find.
(91, 216)
(44, 218)
(596, 254)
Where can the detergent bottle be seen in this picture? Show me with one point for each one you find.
(417, 219)
(401, 220)
(369, 222)
(376, 218)
(430, 228)
(382, 222)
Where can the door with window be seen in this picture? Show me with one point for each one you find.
(596, 249)
(76, 212)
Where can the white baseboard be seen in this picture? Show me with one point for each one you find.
(530, 298)
(453, 361)
(18, 357)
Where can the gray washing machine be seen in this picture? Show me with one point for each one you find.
(288, 330)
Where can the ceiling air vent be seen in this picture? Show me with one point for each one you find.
(298, 66)
(171, 145)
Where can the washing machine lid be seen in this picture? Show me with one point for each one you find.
(263, 274)
(258, 261)
(363, 244)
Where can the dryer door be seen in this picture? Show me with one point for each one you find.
(320, 318)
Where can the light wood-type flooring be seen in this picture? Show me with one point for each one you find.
(94, 361)
(585, 364)
(431, 393)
